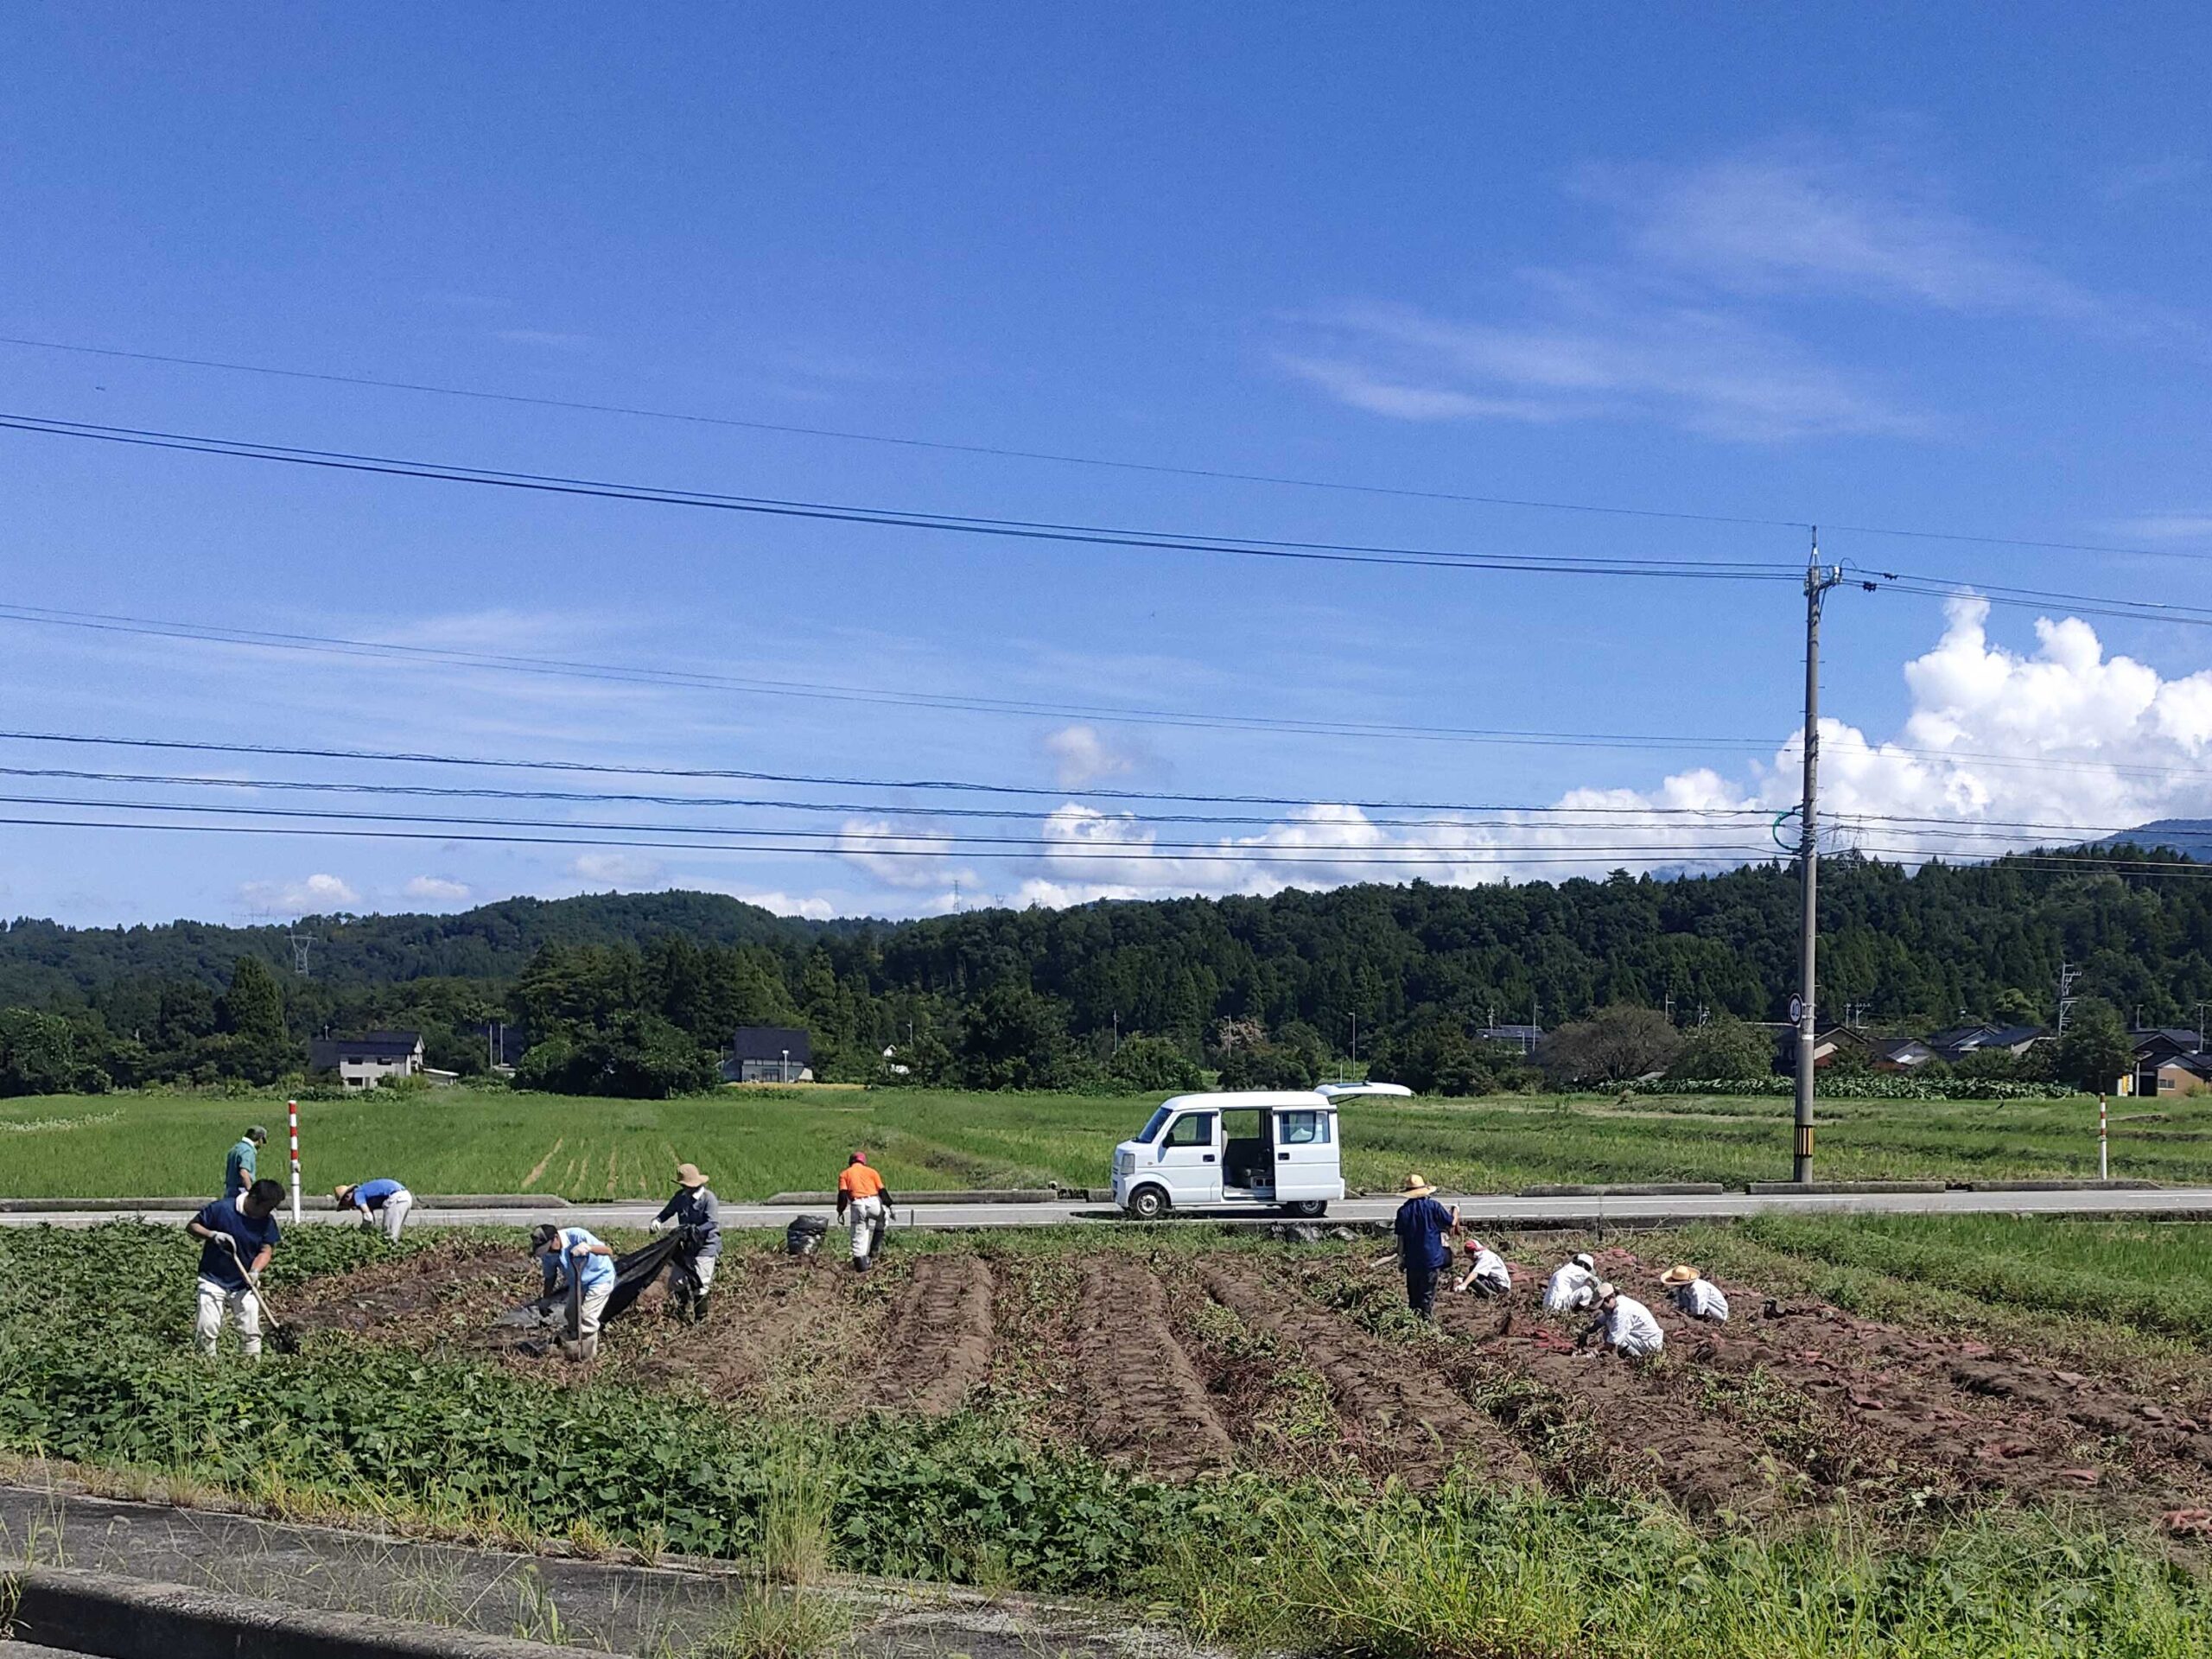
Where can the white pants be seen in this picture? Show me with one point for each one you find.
(244, 1310)
(393, 1216)
(863, 1216)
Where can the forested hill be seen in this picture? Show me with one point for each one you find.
(648, 986)
(42, 961)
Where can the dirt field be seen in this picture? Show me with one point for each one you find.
(1184, 1360)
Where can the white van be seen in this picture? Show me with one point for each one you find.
(1261, 1149)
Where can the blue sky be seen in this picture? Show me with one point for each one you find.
(1902, 267)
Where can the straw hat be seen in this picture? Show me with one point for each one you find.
(1681, 1274)
(688, 1175)
(1415, 1187)
(341, 1193)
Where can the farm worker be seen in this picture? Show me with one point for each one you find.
(237, 1237)
(862, 1199)
(1626, 1325)
(1573, 1286)
(238, 1168)
(691, 1274)
(1487, 1274)
(1420, 1225)
(382, 1199)
(570, 1252)
(1694, 1293)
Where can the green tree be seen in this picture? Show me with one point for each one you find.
(40, 1054)
(1012, 1037)
(1724, 1049)
(2095, 1052)
(253, 1007)
(1613, 1045)
(1153, 1066)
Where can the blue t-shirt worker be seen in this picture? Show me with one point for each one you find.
(383, 1202)
(571, 1254)
(237, 1237)
(1420, 1225)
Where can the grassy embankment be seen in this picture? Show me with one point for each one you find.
(1334, 1564)
(756, 1142)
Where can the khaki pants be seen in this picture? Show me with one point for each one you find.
(393, 1216)
(245, 1309)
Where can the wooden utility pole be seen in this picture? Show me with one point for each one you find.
(1818, 579)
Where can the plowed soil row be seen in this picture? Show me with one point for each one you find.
(1399, 1412)
(937, 1344)
(1142, 1399)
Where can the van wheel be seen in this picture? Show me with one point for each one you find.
(1308, 1209)
(1147, 1203)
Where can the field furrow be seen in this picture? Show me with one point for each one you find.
(937, 1344)
(1143, 1400)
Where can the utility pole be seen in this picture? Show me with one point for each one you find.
(1818, 579)
(2200, 1025)
(2066, 975)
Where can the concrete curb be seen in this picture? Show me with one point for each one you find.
(2057, 1186)
(423, 1201)
(1839, 1189)
(1641, 1190)
(984, 1195)
(128, 1619)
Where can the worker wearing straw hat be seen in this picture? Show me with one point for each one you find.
(691, 1272)
(1694, 1293)
(1420, 1225)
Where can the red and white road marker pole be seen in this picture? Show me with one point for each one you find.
(292, 1112)
(2103, 1167)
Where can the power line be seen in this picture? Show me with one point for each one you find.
(620, 673)
(692, 418)
(966, 524)
(1064, 459)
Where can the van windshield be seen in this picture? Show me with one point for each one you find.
(1150, 1132)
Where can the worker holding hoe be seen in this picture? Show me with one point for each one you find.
(572, 1258)
(691, 1270)
(1420, 1225)
(383, 1202)
(863, 1201)
(237, 1237)
(237, 1167)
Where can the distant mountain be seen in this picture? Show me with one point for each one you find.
(40, 958)
(2192, 837)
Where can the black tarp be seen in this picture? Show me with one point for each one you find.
(633, 1271)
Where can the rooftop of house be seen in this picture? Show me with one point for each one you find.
(771, 1043)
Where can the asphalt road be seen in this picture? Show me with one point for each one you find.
(2170, 1202)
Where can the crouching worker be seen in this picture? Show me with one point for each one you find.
(691, 1270)
(864, 1201)
(1626, 1325)
(1694, 1293)
(237, 1237)
(1573, 1286)
(575, 1261)
(382, 1202)
(1487, 1274)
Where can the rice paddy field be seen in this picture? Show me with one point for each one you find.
(754, 1142)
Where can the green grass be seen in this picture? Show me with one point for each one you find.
(756, 1142)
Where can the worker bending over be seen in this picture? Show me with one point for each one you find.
(1694, 1293)
(863, 1201)
(1420, 1225)
(237, 1237)
(383, 1202)
(1487, 1274)
(1573, 1286)
(691, 1271)
(237, 1165)
(570, 1256)
(1626, 1325)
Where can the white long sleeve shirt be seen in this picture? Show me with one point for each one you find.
(1630, 1330)
(1701, 1300)
(1489, 1272)
(1571, 1287)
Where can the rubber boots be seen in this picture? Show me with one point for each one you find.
(699, 1307)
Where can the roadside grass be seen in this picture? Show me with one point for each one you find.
(755, 1143)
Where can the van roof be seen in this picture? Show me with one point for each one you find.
(1305, 1099)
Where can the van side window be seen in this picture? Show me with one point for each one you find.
(1191, 1129)
(1305, 1129)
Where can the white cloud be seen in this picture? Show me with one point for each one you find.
(437, 888)
(812, 910)
(1081, 756)
(897, 860)
(2165, 527)
(616, 869)
(1591, 351)
(1804, 217)
(316, 893)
